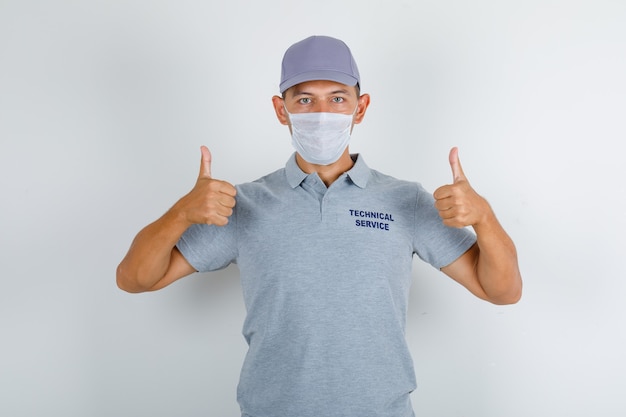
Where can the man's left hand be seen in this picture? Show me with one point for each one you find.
(458, 204)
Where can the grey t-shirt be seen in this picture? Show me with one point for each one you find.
(325, 274)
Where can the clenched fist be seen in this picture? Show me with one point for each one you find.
(458, 204)
(210, 201)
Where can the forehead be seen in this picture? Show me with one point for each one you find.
(320, 87)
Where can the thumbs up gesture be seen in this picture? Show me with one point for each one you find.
(210, 201)
(458, 204)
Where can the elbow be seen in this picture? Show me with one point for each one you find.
(507, 300)
(124, 281)
(512, 296)
(516, 296)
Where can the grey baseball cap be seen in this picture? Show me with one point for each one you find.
(318, 58)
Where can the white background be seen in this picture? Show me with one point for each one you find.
(103, 108)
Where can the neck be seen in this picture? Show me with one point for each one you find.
(327, 173)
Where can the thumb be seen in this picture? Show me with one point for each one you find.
(205, 163)
(455, 164)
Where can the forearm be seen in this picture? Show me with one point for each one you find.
(496, 265)
(150, 253)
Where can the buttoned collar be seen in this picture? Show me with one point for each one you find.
(359, 174)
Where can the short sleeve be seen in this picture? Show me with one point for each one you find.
(209, 247)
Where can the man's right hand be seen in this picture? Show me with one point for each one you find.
(210, 201)
(153, 261)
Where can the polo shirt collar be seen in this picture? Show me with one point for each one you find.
(359, 174)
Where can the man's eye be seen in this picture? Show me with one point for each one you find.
(305, 100)
(338, 99)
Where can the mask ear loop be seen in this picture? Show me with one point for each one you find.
(287, 111)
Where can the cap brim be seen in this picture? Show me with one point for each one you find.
(338, 77)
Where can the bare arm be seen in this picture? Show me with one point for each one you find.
(490, 268)
(153, 261)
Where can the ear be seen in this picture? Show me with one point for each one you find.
(279, 108)
(363, 103)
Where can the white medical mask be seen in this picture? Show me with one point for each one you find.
(320, 138)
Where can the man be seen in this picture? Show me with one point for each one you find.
(324, 247)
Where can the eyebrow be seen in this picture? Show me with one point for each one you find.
(306, 93)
